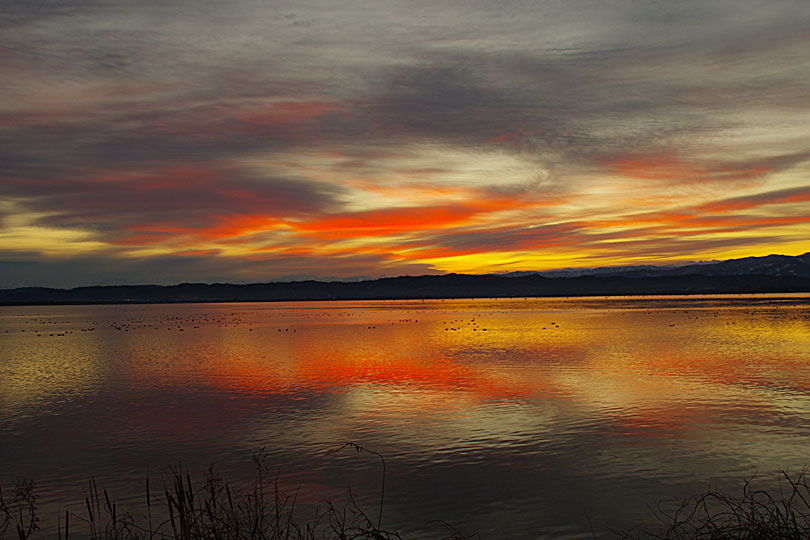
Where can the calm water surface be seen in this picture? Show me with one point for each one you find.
(509, 418)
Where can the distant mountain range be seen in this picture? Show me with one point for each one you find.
(772, 265)
(771, 274)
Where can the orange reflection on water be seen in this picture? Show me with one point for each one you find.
(509, 394)
(668, 372)
(340, 359)
(607, 360)
(632, 367)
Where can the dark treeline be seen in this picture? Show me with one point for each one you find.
(421, 287)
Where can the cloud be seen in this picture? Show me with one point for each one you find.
(387, 129)
(747, 202)
(18, 270)
(186, 196)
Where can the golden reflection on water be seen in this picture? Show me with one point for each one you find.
(33, 375)
(650, 372)
(604, 390)
(432, 354)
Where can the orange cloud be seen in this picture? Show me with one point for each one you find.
(405, 219)
(513, 138)
(388, 221)
(754, 201)
(655, 167)
(286, 113)
(239, 225)
(669, 166)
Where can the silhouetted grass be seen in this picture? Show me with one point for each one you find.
(213, 510)
(753, 515)
(20, 510)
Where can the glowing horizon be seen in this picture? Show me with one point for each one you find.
(246, 142)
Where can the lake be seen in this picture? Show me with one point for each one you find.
(510, 418)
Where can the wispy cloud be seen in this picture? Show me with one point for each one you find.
(312, 139)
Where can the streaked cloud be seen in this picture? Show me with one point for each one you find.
(249, 140)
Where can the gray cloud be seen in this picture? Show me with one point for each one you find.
(18, 270)
(113, 88)
(665, 79)
(185, 198)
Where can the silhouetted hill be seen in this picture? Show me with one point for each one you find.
(447, 286)
(770, 265)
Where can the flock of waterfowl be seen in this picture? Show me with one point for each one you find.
(294, 320)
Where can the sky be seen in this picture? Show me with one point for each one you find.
(257, 140)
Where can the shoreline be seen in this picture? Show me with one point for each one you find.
(214, 507)
(446, 287)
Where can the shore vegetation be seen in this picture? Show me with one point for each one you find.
(211, 509)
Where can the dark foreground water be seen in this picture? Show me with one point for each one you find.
(509, 418)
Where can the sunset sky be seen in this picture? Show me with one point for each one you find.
(242, 141)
